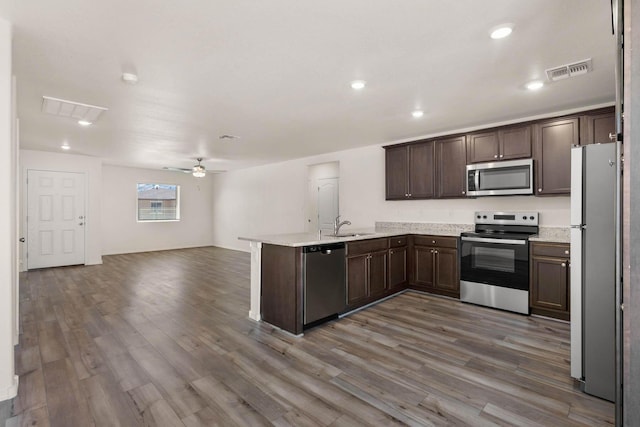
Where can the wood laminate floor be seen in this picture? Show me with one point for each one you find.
(163, 339)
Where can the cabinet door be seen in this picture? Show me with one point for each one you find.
(421, 170)
(377, 273)
(423, 263)
(446, 273)
(549, 283)
(357, 272)
(396, 172)
(482, 147)
(397, 267)
(553, 155)
(515, 143)
(451, 167)
(596, 128)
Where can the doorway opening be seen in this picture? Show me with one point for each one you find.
(323, 181)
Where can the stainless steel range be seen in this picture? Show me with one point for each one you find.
(494, 260)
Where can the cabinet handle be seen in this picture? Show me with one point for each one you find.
(613, 137)
(431, 251)
(564, 264)
(566, 252)
(409, 194)
(501, 155)
(495, 156)
(435, 252)
(433, 241)
(406, 194)
(390, 252)
(463, 192)
(539, 190)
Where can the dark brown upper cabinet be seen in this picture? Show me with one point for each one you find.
(553, 140)
(508, 143)
(597, 126)
(451, 167)
(409, 171)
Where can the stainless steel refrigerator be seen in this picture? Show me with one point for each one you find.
(593, 260)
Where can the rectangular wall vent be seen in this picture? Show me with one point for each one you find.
(569, 70)
(71, 109)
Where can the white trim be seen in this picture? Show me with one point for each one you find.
(256, 284)
(11, 391)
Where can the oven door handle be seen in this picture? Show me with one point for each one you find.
(487, 240)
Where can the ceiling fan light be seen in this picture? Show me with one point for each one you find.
(198, 171)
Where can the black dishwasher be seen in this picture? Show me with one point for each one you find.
(325, 293)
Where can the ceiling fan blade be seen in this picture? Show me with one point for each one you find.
(177, 169)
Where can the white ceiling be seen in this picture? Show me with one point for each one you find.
(277, 73)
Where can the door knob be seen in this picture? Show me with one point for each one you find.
(21, 240)
(563, 264)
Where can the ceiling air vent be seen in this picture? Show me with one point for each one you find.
(71, 109)
(569, 70)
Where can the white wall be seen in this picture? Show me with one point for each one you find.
(121, 233)
(67, 162)
(270, 199)
(8, 274)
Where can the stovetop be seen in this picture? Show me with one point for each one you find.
(505, 225)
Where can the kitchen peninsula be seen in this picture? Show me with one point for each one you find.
(381, 261)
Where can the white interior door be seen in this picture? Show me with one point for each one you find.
(327, 203)
(55, 218)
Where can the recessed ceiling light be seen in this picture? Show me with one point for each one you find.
(84, 123)
(501, 31)
(358, 84)
(65, 146)
(129, 78)
(534, 85)
(417, 114)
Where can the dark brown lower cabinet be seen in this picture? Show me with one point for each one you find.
(435, 265)
(366, 271)
(281, 287)
(398, 259)
(550, 279)
(397, 267)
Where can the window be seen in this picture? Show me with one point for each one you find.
(158, 202)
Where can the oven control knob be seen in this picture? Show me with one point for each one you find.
(524, 217)
(531, 218)
(479, 216)
(484, 217)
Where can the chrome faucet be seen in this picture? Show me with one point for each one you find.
(337, 224)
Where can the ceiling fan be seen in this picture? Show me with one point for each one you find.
(198, 170)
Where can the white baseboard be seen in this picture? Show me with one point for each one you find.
(11, 391)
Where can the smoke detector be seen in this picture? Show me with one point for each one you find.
(569, 70)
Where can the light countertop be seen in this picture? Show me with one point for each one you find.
(391, 229)
(381, 230)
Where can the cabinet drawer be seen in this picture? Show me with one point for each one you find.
(556, 250)
(439, 241)
(398, 241)
(367, 246)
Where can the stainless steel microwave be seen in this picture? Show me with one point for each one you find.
(500, 178)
